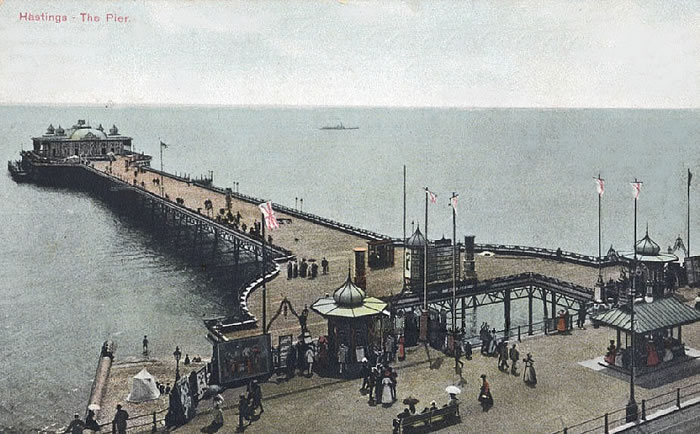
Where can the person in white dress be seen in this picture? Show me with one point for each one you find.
(386, 391)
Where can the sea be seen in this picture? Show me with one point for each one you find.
(74, 272)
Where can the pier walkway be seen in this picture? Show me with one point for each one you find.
(306, 236)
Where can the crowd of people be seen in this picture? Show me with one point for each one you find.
(305, 268)
(492, 346)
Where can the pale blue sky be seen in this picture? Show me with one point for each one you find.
(536, 53)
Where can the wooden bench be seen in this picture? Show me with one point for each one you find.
(423, 422)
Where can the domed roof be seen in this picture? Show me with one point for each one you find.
(646, 246)
(60, 131)
(87, 133)
(416, 240)
(349, 294)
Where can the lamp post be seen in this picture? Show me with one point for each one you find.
(453, 204)
(177, 354)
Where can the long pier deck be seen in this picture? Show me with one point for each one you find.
(312, 237)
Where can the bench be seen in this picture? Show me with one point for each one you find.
(426, 421)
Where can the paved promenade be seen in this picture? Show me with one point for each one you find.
(568, 392)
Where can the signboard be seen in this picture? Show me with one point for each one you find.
(285, 345)
(202, 382)
(244, 359)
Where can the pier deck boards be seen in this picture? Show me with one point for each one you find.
(307, 239)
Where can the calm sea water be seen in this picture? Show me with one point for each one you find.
(73, 273)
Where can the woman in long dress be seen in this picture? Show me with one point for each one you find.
(485, 397)
(386, 391)
(529, 375)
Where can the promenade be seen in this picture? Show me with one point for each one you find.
(567, 391)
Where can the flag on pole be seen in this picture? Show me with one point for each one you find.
(163, 145)
(600, 186)
(453, 202)
(690, 176)
(269, 214)
(433, 196)
(637, 186)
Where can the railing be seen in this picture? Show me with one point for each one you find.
(671, 400)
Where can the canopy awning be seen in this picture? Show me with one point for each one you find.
(660, 314)
(327, 306)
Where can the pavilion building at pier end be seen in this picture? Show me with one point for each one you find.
(81, 140)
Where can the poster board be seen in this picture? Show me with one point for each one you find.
(285, 345)
(243, 359)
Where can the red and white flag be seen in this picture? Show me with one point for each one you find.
(453, 202)
(433, 196)
(269, 215)
(600, 186)
(637, 187)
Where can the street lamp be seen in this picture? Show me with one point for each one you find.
(177, 354)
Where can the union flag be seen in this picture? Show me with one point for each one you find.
(269, 215)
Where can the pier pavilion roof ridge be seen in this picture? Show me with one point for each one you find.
(660, 314)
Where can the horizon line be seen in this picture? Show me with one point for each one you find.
(328, 106)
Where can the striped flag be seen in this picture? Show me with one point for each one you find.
(163, 145)
(600, 185)
(453, 202)
(269, 215)
(433, 196)
(637, 186)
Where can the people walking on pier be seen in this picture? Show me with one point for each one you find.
(561, 324)
(90, 422)
(485, 338)
(529, 375)
(514, 356)
(309, 361)
(303, 267)
(145, 344)
(76, 425)
(389, 347)
(612, 353)
(314, 270)
(372, 383)
(342, 357)
(324, 265)
(502, 350)
(467, 350)
(296, 269)
(582, 316)
(365, 373)
(393, 376)
(387, 398)
(492, 343)
(242, 412)
(485, 397)
(255, 397)
(291, 361)
(119, 421)
(290, 272)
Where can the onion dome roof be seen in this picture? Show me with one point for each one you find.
(416, 240)
(114, 130)
(646, 246)
(349, 294)
(50, 130)
(60, 131)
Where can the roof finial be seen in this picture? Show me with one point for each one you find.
(647, 228)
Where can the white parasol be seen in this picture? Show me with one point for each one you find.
(453, 389)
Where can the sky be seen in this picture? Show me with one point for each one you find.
(497, 53)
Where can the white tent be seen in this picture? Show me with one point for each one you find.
(143, 387)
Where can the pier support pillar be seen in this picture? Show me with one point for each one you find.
(554, 304)
(529, 311)
(506, 314)
(544, 304)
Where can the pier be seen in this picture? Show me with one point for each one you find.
(185, 213)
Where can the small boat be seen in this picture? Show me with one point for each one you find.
(17, 171)
(340, 126)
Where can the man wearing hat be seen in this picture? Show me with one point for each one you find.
(76, 425)
(119, 421)
(364, 372)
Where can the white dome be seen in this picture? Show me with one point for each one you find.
(87, 133)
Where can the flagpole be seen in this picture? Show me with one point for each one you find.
(454, 277)
(404, 226)
(264, 290)
(687, 252)
(424, 314)
(161, 167)
(600, 236)
(631, 410)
